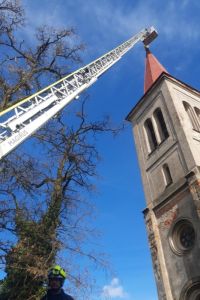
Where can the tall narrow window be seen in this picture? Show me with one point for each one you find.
(197, 111)
(161, 125)
(192, 116)
(167, 175)
(150, 134)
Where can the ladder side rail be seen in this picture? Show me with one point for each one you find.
(38, 106)
(108, 58)
(33, 112)
(24, 132)
(135, 38)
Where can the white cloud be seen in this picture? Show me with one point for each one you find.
(104, 24)
(114, 290)
(105, 21)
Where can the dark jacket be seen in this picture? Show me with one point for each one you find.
(60, 296)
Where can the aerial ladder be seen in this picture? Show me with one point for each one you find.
(22, 119)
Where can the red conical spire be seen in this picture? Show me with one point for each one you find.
(153, 69)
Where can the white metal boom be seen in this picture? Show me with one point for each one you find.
(28, 115)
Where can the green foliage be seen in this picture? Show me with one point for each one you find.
(28, 261)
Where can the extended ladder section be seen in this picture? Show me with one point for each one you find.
(28, 115)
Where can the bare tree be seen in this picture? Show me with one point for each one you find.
(46, 210)
(23, 67)
(43, 198)
(11, 15)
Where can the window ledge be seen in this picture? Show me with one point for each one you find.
(157, 147)
(167, 185)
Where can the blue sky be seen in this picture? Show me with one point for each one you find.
(102, 25)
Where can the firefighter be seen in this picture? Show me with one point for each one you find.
(56, 278)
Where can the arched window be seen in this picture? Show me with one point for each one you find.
(167, 175)
(192, 116)
(197, 111)
(161, 125)
(152, 142)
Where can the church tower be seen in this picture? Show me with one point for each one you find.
(166, 128)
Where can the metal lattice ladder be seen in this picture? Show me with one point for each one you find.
(28, 115)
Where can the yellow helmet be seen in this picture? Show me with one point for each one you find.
(58, 272)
